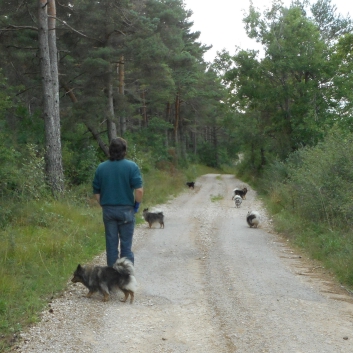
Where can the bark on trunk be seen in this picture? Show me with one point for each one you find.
(167, 118)
(97, 137)
(122, 93)
(215, 144)
(111, 126)
(49, 71)
(177, 116)
(144, 110)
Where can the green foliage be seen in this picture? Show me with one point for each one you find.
(5, 99)
(295, 93)
(80, 162)
(32, 183)
(22, 174)
(311, 197)
(207, 154)
(153, 140)
(319, 182)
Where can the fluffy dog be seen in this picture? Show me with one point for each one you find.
(238, 200)
(105, 279)
(191, 184)
(240, 192)
(153, 217)
(253, 219)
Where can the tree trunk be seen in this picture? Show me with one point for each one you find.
(144, 110)
(96, 135)
(167, 118)
(263, 158)
(177, 116)
(122, 93)
(215, 144)
(111, 126)
(49, 71)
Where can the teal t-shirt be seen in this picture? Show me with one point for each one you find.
(116, 181)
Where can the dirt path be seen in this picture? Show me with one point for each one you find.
(208, 283)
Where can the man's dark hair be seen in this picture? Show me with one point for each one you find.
(117, 149)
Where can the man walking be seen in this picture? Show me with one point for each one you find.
(117, 186)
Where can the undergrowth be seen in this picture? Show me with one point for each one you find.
(38, 251)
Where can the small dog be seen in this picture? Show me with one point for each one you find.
(191, 184)
(105, 279)
(253, 219)
(240, 192)
(153, 217)
(238, 200)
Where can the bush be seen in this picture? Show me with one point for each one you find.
(320, 187)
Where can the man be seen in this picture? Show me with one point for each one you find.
(117, 186)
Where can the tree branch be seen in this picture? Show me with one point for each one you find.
(22, 48)
(76, 31)
(17, 28)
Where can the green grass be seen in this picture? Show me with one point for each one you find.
(38, 252)
(332, 247)
(215, 198)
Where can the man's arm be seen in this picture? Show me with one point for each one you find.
(138, 195)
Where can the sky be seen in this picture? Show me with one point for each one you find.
(220, 22)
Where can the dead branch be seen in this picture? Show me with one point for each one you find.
(76, 31)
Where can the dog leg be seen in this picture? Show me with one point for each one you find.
(126, 293)
(126, 297)
(89, 294)
(132, 296)
(105, 296)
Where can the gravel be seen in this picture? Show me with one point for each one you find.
(207, 283)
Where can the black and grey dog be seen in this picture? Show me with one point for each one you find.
(191, 184)
(240, 192)
(153, 217)
(105, 279)
(253, 219)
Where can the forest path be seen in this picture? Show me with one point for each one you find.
(207, 283)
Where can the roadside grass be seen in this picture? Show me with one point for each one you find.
(38, 252)
(332, 247)
(215, 198)
(41, 243)
(309, 196)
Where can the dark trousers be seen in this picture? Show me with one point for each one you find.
(119, 224)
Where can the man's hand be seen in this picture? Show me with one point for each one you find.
(136, 206)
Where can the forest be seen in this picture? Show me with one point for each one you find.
(74, 74)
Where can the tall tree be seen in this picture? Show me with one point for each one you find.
(50, 82)
(287, 94)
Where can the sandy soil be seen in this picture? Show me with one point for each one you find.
(207, 283)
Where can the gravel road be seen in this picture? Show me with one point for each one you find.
(207, 283)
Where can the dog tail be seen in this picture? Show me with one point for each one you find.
(253, 218)
(124, 266)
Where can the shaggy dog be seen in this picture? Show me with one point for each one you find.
(191, 184)
(238, 200)
(253, 219)
(153, 217)
(240, 192)
(105, 279)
